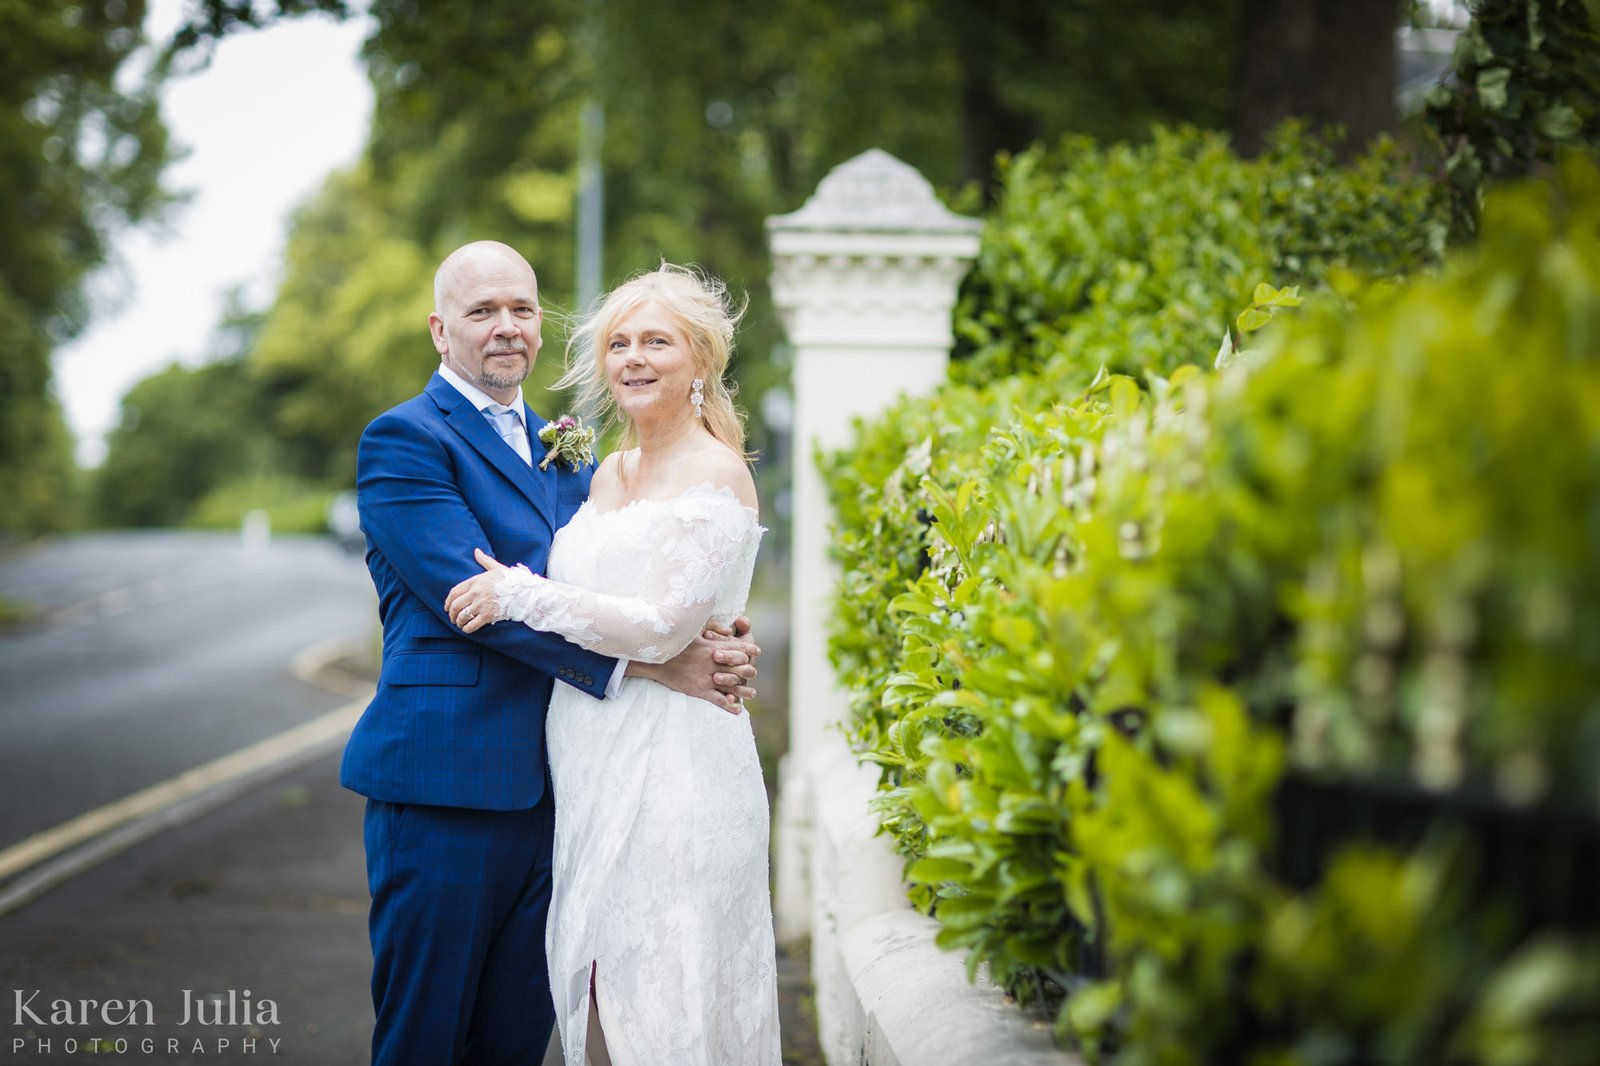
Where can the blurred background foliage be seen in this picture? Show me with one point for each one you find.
(1526, 85)
(79, 159)
(711, 123)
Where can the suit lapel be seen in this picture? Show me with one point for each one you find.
(538, 486)
(535, 424)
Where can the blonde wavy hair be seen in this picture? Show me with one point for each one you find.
(708, 316)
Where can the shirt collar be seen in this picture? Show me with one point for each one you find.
(479, 398)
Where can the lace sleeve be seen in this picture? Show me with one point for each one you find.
(701, 540)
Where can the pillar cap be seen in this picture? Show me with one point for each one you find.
(874, 192)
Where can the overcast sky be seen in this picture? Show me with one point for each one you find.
(264, 124)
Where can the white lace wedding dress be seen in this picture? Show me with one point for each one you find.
(661, 816)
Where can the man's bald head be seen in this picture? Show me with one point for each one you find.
(470, 258)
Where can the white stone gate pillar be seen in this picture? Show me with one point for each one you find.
(865, 276)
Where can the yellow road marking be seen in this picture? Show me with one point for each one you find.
(86, 826)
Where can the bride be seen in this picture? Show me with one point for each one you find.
(660, 931)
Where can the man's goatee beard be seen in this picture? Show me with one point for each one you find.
(490, 379)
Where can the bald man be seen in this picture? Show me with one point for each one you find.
(450, 753)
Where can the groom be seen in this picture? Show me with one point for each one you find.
(450, 754)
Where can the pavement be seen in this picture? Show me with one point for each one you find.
(237, 935)
(263, 899)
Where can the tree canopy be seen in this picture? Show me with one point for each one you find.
(711, 124)
(79, 157)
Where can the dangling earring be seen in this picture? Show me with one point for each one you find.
(697, 396)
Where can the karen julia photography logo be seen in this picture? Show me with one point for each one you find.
(219, 1023)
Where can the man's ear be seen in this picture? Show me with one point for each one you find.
(436, 329)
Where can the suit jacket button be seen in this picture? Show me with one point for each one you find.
(587, 680)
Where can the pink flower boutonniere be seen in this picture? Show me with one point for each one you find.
(569, 440)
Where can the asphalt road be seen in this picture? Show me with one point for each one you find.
(154, 652)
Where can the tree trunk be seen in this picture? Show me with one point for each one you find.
(994, 40)
(988, 127)
(1329, 61)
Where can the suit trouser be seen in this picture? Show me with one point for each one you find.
(459, 899)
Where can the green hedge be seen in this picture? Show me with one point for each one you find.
(1133, 257)
(1366, 551)
(1526, 86)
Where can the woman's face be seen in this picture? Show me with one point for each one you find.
(649, 365)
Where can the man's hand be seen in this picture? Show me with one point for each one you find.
(717, 667)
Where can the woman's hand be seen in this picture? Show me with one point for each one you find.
(473, 604)
(717, 666)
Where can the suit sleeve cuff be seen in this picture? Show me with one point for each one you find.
(615, 684)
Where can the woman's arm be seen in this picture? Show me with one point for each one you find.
(706, 534)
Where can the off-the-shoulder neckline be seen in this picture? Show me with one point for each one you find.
(702, 487)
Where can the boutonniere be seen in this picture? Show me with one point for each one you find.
(569, 440)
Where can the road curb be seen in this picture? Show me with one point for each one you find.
(317, 666)
(46, 859)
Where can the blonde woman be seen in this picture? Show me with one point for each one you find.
(660, 930)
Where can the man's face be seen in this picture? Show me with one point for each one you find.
(487, 325)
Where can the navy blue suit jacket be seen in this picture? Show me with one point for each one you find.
(458, 720)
